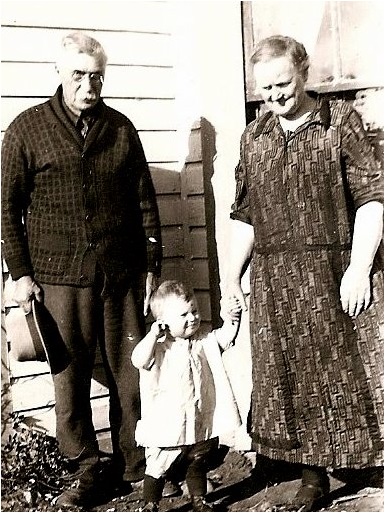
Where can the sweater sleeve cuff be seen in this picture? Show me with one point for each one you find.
(19, 267)
(154, 256)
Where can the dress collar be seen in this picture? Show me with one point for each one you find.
(269, 120)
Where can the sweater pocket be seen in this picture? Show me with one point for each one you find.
(50, 253)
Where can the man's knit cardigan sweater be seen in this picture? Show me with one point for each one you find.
(69, 204)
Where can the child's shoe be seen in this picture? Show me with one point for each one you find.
(199, 503)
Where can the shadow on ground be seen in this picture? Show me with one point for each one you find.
(243, 482)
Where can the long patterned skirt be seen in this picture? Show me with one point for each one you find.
(317, 374)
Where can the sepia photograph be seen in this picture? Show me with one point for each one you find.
(192, 255)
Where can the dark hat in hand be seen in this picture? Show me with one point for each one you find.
(35, 337)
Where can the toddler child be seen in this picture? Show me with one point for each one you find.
(186, 397)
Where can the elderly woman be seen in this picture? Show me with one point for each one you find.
(308, 217)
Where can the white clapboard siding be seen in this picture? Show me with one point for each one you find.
(167, 166)
(140, 83)
(20, 369)
(130, 48)
(44, 418)
(40, 79)
(12, 107)
(31, 392)
(114, 15)
(159, 146)
(145, 114)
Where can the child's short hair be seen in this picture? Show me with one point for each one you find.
(166, 289)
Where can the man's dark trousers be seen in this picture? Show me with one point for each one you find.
(113, 318)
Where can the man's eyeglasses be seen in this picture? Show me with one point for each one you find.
(94, 78)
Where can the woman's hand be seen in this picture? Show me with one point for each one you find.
(355, 291)
(231, 308)
(234, 292)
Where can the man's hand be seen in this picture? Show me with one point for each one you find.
(151, 284)
(25, 290)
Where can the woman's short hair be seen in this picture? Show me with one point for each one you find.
(279, 46)
(166, 289)
(79, 42)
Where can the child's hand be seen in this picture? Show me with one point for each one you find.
(231, 308)
(158, 329)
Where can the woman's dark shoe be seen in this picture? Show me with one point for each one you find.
(315, 485)
(199, 503)
(307, 497)
(150, 506)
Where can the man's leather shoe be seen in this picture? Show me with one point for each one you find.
(81, 493)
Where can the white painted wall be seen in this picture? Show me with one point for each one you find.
(170, 63)
(210, 84)
(139, 82)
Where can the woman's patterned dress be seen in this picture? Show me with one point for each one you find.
(317, 374)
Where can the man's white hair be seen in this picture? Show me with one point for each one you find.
(79, 42)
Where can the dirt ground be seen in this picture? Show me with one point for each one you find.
(241, 483)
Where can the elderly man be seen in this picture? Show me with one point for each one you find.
(81, 232)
